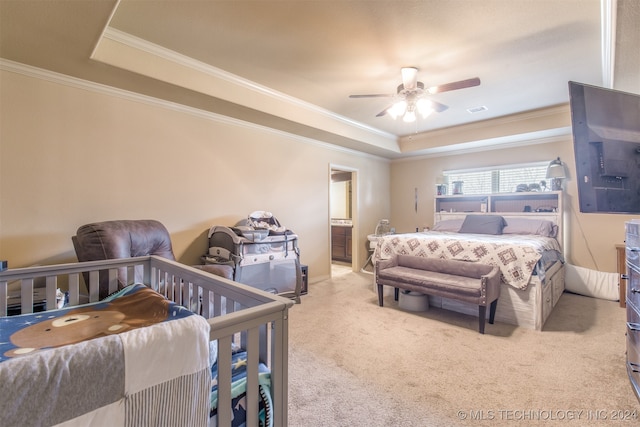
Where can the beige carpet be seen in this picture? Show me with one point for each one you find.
(352, 363)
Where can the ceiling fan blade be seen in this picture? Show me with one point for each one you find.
(409, 77)
(383, 112)
(437, 107)
(455, 85)
(376, 95)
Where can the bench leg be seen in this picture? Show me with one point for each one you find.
(380, 295)
(482, 313)
(396, 293)
(492, 311)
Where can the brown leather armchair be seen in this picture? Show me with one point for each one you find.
(128, 239)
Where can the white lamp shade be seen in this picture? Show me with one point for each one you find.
(556, 169)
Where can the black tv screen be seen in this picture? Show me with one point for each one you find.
(606, 143)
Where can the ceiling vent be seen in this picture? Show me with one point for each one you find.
(477, 109)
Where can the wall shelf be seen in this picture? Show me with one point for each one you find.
(541, 205)
(525, 202)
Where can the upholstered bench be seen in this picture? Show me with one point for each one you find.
(465, 281)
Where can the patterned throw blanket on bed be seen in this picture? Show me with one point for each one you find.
(106, 361)
(515, 255)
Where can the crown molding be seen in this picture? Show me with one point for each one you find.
(541, 113)
(450, 150)
(219, 74)
(77, 83)
(608, 9)
(511, 141)
(528, 125)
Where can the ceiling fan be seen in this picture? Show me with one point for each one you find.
(412, 97)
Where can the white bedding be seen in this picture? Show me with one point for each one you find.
(515, 255)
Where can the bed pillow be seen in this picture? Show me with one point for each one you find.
(448, 225)
(483, 224)
(539, 227)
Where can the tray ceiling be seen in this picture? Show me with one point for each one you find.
(292, 65)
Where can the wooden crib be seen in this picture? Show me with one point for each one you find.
(238, 316)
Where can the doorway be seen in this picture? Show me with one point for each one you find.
(342, 219)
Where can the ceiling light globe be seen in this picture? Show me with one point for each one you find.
(425, 107)
(409, 117)
(397, 109)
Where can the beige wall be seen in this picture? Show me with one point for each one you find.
(70, 155)
(590, 238)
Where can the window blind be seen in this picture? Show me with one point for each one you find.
(504, 179)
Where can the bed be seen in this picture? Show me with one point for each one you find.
(179, 368)
(524, 247)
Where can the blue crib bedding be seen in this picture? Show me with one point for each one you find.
(136, 306)
(51, 362)
(238, 391)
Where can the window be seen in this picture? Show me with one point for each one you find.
(504, 179)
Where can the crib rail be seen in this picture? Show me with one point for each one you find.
(238, 314)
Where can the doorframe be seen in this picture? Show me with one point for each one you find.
(355, 253)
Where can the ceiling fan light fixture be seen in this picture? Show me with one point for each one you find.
(409, 116)
(409, 109)
(409, 77)
(424, 107)
(398, 109)
(411, 97)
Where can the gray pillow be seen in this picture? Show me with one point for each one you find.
(540, 227)
(448, 225)
(483, 224)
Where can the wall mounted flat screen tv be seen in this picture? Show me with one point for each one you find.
(606, 144)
